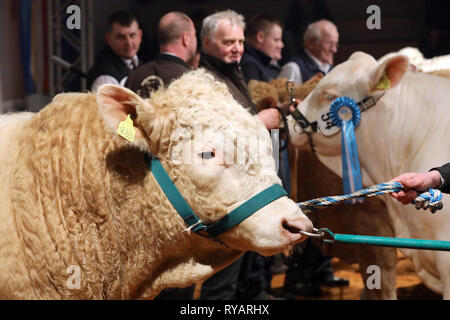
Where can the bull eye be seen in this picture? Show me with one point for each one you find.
(207, 155)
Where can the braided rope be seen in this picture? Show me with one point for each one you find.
(430, 199)
(426, 200)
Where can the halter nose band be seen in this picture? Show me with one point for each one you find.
(302, 121)
(227, 222)
(363, 105)
(246, 209)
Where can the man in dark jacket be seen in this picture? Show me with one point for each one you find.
(178, 44)
(222, 37)
(223, 45)
(320, 45)
(308, 268)
(263, 45)
(123, 38)
(262, 51)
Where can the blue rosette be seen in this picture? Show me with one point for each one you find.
(348, 102)
(344, 112)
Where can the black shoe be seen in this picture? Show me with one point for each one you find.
(335, 282)
(303, 289)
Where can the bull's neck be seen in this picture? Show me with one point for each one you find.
(70, 194)
(59, 198)
(405, 127)
(143, 220)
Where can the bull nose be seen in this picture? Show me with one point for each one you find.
(295, 225)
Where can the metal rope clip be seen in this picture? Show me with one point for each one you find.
(324, 235)
(290, 89)
(319, 233)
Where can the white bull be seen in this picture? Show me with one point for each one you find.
(419, 62)
(405, 131)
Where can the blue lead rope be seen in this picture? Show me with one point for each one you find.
(426, 200)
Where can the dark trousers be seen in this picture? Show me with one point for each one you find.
(254, 276)
(176, 294)
(284, 171)
(223, 284)
(307, 264)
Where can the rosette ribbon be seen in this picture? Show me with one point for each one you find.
(344, 112)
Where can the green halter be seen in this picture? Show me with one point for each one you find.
(227, 222)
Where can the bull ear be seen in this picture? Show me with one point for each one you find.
(389, 73)
(117, 105)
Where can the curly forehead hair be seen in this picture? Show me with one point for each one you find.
(211, 22)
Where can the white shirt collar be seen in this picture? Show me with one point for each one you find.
(323, 66)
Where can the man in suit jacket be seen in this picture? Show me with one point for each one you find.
(263, 45)
(320, 43)
(123, 38)
(177, 44)
(308, 268)
(223, 39)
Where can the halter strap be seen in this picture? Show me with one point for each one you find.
(191, 219)
(246, 209)
(172, 193)
(363, 105)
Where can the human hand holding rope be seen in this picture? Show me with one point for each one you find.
(414, 183)
(430, 199)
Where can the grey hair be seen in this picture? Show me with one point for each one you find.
(314, 30)
(211, 23)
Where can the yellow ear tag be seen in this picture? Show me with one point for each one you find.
(126, 129)
(384, 83)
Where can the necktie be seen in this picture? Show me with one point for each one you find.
(133, 64)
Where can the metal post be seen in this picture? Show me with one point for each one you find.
(80, 43)
(51, 67)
